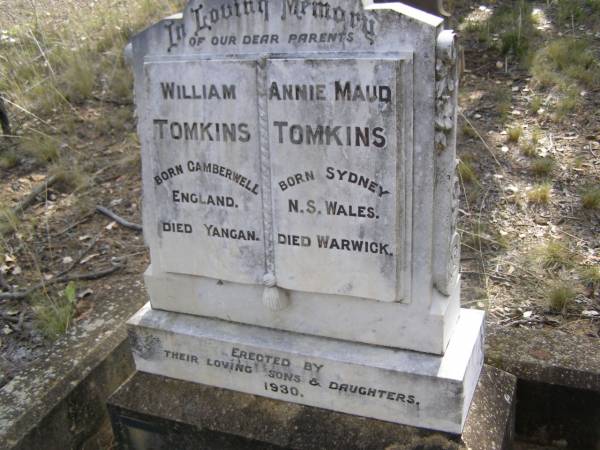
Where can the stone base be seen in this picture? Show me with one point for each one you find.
(399, 386)
(154, 412)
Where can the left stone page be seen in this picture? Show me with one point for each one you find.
(200, 131)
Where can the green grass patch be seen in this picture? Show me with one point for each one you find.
(42, 148)
(528, 149)
(54, 314)
(542, 167)
(536, 104)
(514, 134)
(555, 256)
(591, 198)
(567, 66)
(469, 131)
(560, 295)
(466, 172)
(9, 159)
(590, 275)
(514, 24)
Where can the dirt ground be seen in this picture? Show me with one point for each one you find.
(505, 229)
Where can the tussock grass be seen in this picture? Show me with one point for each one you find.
(567, 66)
(536, 104)
(54, 313)
(542, 167)
(42, 148)
(555, 256)
(528, 149)
(591, 198)
(501, 97)
(8, 221)
(514, 133)
(468, 131)
(590, 275)
(560, 295)
(540, 194)
(466, 172)
(9, 159)
(515, 27)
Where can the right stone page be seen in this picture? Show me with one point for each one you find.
(335, 129)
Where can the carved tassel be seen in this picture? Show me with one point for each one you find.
(274, 297)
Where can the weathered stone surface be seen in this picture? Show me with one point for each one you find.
(306, 150)
(178, 414)
(59, 401)
(491, 419)
(545, 356)
(418, 389)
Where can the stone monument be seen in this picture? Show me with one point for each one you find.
(300, 202)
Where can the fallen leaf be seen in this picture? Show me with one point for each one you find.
(111, 225)
(590, 313)
(67, 260)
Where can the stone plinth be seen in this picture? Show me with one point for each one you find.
(151, 411)
(399, 386)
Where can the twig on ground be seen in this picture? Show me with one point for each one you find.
(37, 190)
(76, 224)
(486, 145)
(118, 219)
(63, 279)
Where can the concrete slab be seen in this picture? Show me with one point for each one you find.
(151, 411)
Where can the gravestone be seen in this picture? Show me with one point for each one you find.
(300, 202)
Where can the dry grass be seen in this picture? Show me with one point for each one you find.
(591, 198)
(466, 172)
(560, 295)
(60, 65)
(555, 256)
(542, 167)
(540, 194)
(514, 134)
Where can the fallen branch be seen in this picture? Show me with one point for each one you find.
(118, 219)
(62, 279)
(30, 199)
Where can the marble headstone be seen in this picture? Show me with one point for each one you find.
(306, 147)
(298, 164)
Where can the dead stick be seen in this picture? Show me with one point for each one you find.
(64, 279)
(28, 201)
(76, 224)
(118, 219)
